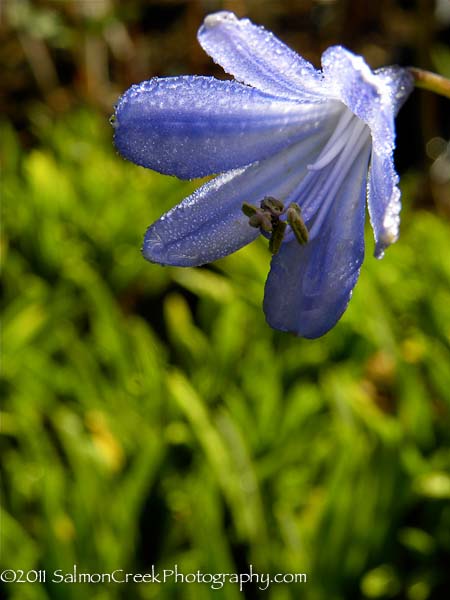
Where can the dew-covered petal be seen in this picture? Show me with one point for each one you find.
(384, 202)
(210, 224)
(207, 225)
(399, 83)
(309, 286)
(258, 58)
(374, 98)
(196, 126)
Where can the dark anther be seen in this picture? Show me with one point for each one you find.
(257, 217)
(277, 236)
(267, 219)
(272, 206)
(295, 220)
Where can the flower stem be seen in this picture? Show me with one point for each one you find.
(431, 81)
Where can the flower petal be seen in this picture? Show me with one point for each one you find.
(384, 202)
(373, 97)
(196, 126)
(309, 286)
(256, 57)
(399, 83)
(210, 224)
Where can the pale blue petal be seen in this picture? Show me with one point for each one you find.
(207, 225)
(399, 83)
(196, 126)
(374, 98)
(384, 202)
(210, 224)
(309, 286)
(256, 57)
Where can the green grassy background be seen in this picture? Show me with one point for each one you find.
(149, 414)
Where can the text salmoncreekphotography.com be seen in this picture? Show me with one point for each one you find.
(214, 580)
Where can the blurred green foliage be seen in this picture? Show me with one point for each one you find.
(151, 416)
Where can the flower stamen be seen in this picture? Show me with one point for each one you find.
(277, 236)
(258, 217)
(267, 219)
(295, 220)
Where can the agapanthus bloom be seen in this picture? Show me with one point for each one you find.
(297, 150)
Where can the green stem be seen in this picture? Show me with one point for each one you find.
(431, 81)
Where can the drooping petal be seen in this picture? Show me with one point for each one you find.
(309, 286)
(399, 83)
(210, 224)
(374, 98)
(196, 126)
(383, 201)
(256, 57)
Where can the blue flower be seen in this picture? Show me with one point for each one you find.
(298, 151)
